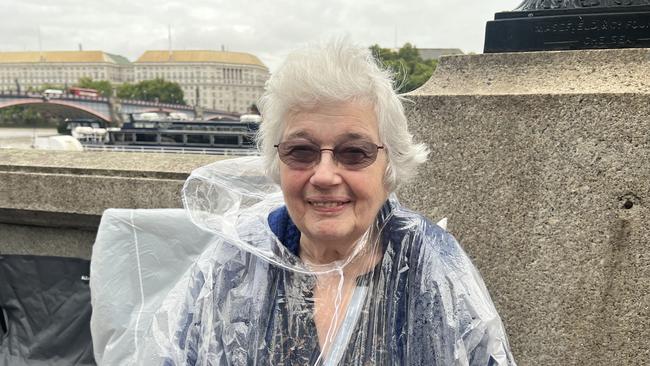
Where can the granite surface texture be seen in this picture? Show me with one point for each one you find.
(555, 72)
(47, 241)
(548, 193)
(51, 201)
(90, 182)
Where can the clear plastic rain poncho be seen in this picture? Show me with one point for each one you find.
(223, 284)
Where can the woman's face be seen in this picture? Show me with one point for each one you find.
(329, 203)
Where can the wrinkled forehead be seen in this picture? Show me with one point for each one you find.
(344, 136)
(348, 120)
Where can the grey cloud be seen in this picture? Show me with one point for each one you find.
(266, 28)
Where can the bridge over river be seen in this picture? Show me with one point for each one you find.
(107, 109)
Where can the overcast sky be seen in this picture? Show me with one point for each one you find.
(266, 28)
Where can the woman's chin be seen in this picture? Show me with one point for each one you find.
(328, 242)
(330, 238)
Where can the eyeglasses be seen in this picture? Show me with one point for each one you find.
(353, 155)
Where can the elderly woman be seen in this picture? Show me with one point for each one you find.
(331, 270)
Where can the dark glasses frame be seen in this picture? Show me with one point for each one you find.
(353, 155)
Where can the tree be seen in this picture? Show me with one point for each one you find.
(128, 91)
(104, 87)
(153, 90)
(25, 116)
(410, 70)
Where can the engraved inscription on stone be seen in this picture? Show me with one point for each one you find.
(607, 42)
(585, 32)
(544, 25)
(574, 27)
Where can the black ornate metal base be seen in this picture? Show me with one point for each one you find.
(568, 29)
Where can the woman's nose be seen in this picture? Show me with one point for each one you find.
(326, 171)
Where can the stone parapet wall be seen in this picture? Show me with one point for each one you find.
(545, 179)
(51, 201)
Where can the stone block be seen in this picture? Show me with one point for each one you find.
(543, 168)
(51, 201)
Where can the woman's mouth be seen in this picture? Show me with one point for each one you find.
(327, 204)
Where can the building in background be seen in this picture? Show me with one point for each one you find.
(232, 81)
(436, 53)
(33, 70)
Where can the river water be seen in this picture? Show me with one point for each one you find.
(21, 138)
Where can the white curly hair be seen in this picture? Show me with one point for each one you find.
(338, 72)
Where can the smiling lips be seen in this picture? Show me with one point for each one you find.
(327, 204)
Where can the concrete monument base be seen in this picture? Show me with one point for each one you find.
(541, 161)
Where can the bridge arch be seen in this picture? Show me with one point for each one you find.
(55, 102)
